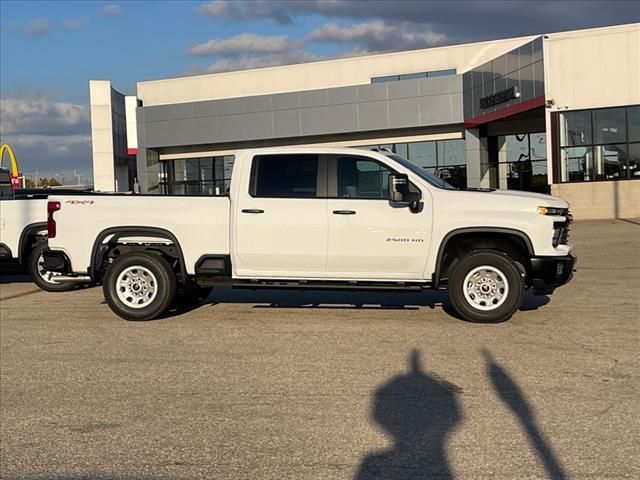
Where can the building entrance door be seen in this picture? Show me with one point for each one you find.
(520, 161)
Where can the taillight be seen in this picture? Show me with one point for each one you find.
(52, 207)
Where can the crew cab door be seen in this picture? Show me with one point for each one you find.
(369, 236)
(281, 217)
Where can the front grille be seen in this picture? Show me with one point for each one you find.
(561, 230)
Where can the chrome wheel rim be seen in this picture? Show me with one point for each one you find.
(45, 274)
(137, 287)
(485, 288)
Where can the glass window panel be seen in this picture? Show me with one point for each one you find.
(401, 149)
(610, 161)
(209, 188)
(179, 170)
(609, 126)
(362, 178)
(633, 118)
(515, 148)
(634, 160)
(192, 169)
(441, 73)
(538, 144)
(575, 128)
(228, 161)
(179, 189)
(576, 164)
(452, 152)
(282, 176)
(206, 169)
(388, 78)
(539, 180)
(455, 175)
(423, 153)
(193, 188)
(411, 76)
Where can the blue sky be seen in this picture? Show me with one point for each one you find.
(50, 50)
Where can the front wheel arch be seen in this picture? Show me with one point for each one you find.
(459, 242)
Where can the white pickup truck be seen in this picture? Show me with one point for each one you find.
(303, 218)
(23, 233)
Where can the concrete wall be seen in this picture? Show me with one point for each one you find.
(102, 135)
(601, 200)
(111, 161)
(324, 74)
(598, 67)
(373, 107)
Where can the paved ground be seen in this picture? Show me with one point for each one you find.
(245, 388)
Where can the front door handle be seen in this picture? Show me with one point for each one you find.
(252, 210)
(344, 212)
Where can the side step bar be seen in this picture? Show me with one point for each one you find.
(70, 279)
(318, 285)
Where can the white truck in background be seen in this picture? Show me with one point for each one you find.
(305, 218)
(23, 232)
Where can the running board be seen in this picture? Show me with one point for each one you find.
(320, 285)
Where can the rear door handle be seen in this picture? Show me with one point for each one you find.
(252, 210)
(344, 212)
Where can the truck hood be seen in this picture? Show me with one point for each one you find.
(544, 200)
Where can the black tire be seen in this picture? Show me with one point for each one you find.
(509, 280)
(40, 276)
(139, 269)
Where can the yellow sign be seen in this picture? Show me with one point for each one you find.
(12, 158)
(14, 173)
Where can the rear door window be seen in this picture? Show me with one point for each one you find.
(285, 176)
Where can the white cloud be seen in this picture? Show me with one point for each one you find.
(111, 9)
(50, 155)
(39, 115)
(377, 36)
(250, 61)
(37, 27)
(74, 24)
(242, 44)
(240, 10)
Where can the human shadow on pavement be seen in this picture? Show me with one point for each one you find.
(419, 411)
(512, 396)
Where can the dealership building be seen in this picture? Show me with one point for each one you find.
(555, 113)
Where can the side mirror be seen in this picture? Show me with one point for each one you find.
(400, 191)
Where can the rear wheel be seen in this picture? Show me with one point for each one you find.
(139, 286)
(42, 277)
(486, 287)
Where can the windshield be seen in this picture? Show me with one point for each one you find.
(422, 173)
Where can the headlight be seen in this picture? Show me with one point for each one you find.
(552, 211)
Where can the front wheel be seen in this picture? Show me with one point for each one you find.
(486, 287)
(42, 277)
(139, 286)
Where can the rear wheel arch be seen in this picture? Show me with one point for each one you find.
(100, 250)
(29, 238)
(458, 242)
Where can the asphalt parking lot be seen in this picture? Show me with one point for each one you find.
(275, 385)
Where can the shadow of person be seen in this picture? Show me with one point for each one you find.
(512, 396)
(419, 412)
